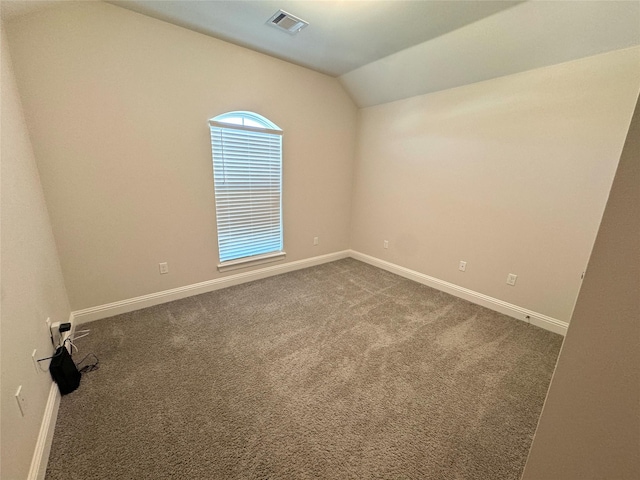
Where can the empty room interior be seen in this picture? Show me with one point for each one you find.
(320, 239)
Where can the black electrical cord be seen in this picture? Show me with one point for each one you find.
(90, 367)
(87, 368)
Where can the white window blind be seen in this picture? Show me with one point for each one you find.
(247, 170)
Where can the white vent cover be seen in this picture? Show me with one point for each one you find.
(287, 22)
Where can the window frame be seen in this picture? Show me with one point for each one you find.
(218, 125)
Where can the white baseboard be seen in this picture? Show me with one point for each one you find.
(40, 458)
(45, 437)
(537, 319)
(144, 301)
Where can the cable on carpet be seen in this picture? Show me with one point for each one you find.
(70, 339)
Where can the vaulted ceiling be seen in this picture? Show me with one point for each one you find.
(388, 50)
(384, 50)
(341, 36)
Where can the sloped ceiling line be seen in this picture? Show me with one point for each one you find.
(528, 36)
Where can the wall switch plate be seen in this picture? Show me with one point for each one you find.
(463, 266)
(386, 244)
(164, 268)
(511, 279)
(22, 401)
(316, 240)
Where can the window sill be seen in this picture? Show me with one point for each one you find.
(250, 261)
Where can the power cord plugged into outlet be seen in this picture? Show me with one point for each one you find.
(55, 334)
(60, 338)
(58, 331)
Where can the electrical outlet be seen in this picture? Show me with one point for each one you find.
(463, 266)
(55, 333)
(22, 401)
(48, 323)
(316, 240)
(164, 268)
(511, 279)
(386, 244)
(34, 359)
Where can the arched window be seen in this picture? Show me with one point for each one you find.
(247, 172)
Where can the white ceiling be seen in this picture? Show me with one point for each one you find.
(385, 50)
(342, 35)
(528, 36)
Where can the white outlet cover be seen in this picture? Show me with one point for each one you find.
(22, 401)
(511, 279)
(463, 266)
(34, 359)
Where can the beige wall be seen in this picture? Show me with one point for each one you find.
(31, 284)
(590, 424)
(510, 175)
(118, 103)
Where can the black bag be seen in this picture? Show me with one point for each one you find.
(64, 371)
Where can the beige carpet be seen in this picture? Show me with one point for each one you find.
(341, 371)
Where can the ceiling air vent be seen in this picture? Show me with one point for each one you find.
(287, 22)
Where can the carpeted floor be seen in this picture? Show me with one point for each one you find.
(340, 371)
